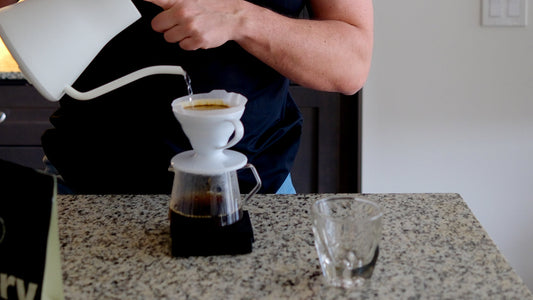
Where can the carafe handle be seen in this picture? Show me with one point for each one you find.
(257, 186)
(108, 87)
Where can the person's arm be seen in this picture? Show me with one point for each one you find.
(7, 2)
(332, 52)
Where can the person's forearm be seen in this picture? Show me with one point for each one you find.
(329, 55)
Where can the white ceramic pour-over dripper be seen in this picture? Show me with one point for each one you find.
(209, 132)
(53, 42)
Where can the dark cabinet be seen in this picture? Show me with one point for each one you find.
(26, 118)
(328, 159)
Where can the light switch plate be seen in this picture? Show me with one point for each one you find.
(504, 13)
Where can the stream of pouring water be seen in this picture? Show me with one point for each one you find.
(189, 86)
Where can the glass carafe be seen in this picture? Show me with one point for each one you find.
(209, 199)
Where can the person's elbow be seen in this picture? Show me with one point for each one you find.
(352, 84)
(355, 76)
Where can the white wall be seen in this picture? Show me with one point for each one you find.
(448, 107)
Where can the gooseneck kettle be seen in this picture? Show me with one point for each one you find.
(53, 42)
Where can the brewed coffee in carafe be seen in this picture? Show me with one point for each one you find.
(207, 200)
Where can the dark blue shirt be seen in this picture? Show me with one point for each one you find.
(123, 141)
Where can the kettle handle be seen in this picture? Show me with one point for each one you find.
(106, 88)
(257, 186)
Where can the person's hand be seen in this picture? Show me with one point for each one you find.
(7, 2)
(196, 24)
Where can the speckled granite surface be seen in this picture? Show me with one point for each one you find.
(11, 76)
(117, 247)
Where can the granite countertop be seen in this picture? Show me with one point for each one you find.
(118, 247)
(11, 76)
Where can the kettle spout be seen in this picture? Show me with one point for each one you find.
(117, 83)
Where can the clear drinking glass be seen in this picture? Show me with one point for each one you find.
(347, 232)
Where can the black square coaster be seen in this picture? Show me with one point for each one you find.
(195, 239)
